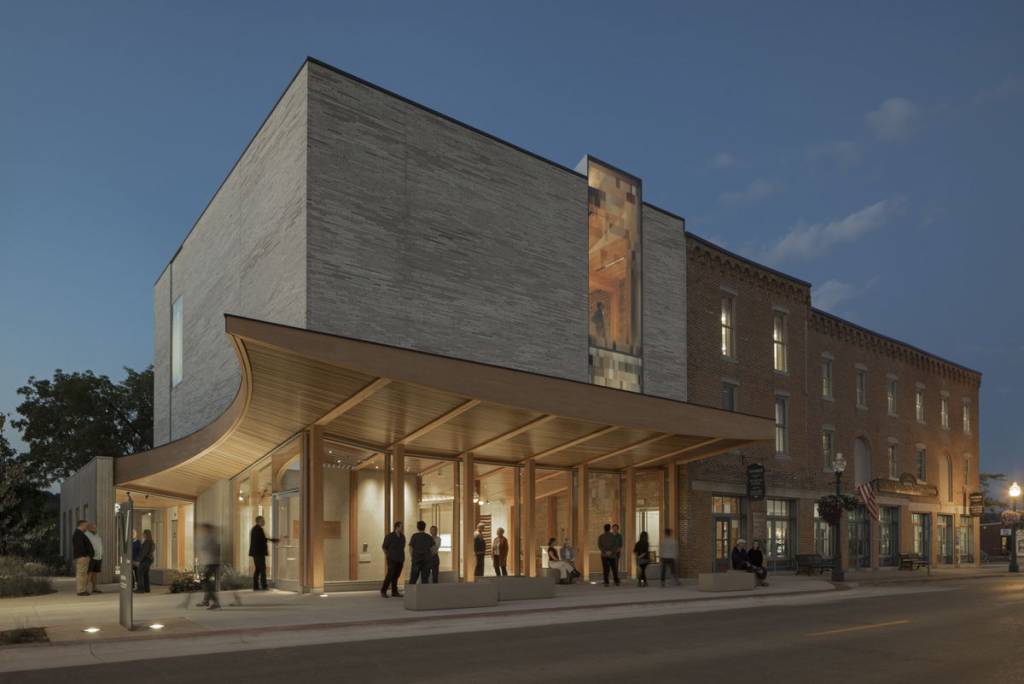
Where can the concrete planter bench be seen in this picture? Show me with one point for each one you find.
(524, 588)
(451, 595)
(726, 581)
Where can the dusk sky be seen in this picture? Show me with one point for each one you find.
(873, 149)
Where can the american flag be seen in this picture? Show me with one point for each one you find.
(867, 493)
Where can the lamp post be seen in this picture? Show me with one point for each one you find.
(838, 466)
(1014, 495)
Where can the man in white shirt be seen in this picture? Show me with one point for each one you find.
(669, 553)
(96, 563)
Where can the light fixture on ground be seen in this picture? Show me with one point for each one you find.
(156, 625)
(1014, 495)
(323, 595)
(838, 466)
(91, 630)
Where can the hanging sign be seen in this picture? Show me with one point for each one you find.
(755, 481)
(977, 504)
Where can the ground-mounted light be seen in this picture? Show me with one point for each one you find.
(323, 595)
(91, 630)
(156, 625)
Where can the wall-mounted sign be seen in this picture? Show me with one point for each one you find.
(907, 485)
(755, 481)
(977, 503)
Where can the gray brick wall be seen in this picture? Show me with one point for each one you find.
(246, 255)
(664, 304)
(162, 358)
(425, 234)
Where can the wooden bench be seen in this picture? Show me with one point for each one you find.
(733, 580)
(451, 595)
(807, 563)
(913, 561)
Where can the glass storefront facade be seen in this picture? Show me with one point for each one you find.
(889, 535)
(944, 532)
(822, 536)
(859, 538)
(781, 534)
(965, 538)
(650, 501)
(922, 524)
(729, 525)
(614, 225)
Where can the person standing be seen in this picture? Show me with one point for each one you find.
(96, 562)
(81, 551)
(209, 558)
(435, 555)
(621, 542)
(146, 552)
(394, 557)
(642, 551)
(420, 546)
(136, 549)
(499, 553)
(669, 550)
(606, 544)
(259, 550)
(479, 549)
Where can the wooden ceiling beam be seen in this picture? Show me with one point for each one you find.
(437, 422)
(353, 401)
(573, 442)
(628, 448)
(504, 437)
(676, 452)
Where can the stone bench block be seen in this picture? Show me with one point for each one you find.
(726, 581)
(523, 588)
(451, 595)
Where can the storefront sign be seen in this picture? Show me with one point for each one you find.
(907, 485)
(755, 481)
(977, 504)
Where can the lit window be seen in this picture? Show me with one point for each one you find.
(919, 405)
(177, 321)
(862, 387)
(729, 396)
(949, 478)
(922, 464)
(894, 467)
(890, 394)
(828, 448)
(781, 425)
(967, 417)
(779, 341)
(826, 378)
(944, 412)
(728, 331)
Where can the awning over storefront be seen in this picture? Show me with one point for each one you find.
(377, 397)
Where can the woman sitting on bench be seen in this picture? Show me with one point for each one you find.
(743, 559)
(565, 568)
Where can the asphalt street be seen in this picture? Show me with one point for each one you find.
(970, 631)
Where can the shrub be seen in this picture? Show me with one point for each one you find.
(232, 579)
(187, 581)
(24, 585)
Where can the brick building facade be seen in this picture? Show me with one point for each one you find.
(757, 346)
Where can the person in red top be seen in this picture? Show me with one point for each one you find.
(499, 551)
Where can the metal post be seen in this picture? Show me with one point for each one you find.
(124, 560)
(1013, 540)
(837, 557)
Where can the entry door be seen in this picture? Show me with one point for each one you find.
(287, 528)
(727, 531)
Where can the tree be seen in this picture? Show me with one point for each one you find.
(72, 418)
(27, 527)
(989, 482)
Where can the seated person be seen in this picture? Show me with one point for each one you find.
(568, 554)
(740, 556)
(565, 569)
(755, 559)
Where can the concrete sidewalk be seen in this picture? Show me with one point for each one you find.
(940, 574)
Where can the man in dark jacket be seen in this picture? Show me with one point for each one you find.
(82, 552)
(740, 557)
(421, 546)
(259, 551)
(394, 556)
(479, 549)
(608, 545)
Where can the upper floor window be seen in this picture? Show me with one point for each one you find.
(826, 378)
(862, 387)
(728, 395)
(828, 448)
(967, 416)
(944, 412)
(949, 478)
(781, 425)
(779, 341)
(728, 326)
(177, 322)
(919, 404)
(894, 466)
(922, 464)
(890, 395)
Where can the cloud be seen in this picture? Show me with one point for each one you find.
(832, 293)
(893, 120)
(806, 242)
(1006, 89)
(723, 160)
(843, 153)
(757, 190)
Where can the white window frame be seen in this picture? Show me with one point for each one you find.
(780, 361)
(921, 462)
(781, 425)
(828, 447)
(734, 385)
(177, 341)
(728, 324)
(944, 411)
(893, 457)
(965, 416)
(861, 380)
(919, 403)
(826, 377)
(890, 394)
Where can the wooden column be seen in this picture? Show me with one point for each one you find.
(518, 547)
(398, 490)
(353, 525)
(629, 524)
(530, 517)
(673, 499)
(313, 529)
(582, 521)
(468, 518)
(456, 520)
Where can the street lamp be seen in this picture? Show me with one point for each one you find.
(1014, 495)
(838, 466)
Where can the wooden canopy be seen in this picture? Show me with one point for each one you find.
(375, 397)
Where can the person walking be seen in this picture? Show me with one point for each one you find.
(607, 545)
(669, 552)
(420, 546)
(394, 557)
(258, 551)
(435, 555)
(756, 559)
(209, 558)
(642, 551)
(479, 549)
(81, 551)
(146, 552)
(96, 562)
(499, 553)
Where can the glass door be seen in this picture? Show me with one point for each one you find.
(728, 528)
(922, 534)
(944, 525)
(287, 530)
(859, 541)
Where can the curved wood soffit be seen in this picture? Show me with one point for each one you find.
(191, 447)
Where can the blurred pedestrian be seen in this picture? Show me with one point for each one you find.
(209, 559)
(146, 554)
(96, 562)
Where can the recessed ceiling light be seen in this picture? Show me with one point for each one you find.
(91, 630)
(156, 625)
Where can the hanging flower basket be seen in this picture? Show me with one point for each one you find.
(831, 507)
(1010, 517)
